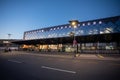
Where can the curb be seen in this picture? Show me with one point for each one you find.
(77, 56)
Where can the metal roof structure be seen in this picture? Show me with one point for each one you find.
(102, 30)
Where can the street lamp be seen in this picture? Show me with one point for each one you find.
(9, 35)
(8, 44)
(74, 24)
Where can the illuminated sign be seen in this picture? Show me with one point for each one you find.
(6, 42)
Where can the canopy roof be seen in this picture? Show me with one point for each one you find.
(113, 37)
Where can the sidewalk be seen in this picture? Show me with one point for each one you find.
(98, 57)
(114, 57)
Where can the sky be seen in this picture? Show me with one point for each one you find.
(18, 16)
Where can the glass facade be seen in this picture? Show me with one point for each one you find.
(102, 26)
(86, 28)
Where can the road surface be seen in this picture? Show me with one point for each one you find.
(25, 66)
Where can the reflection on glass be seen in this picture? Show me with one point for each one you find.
(99, 27)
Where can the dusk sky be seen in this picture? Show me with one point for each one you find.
(18, 16)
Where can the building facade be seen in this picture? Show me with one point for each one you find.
(93, 36)
(6, 44)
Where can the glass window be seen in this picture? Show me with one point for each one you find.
(100, 22)
(83, 24)
(78, 25)
(61, 27)
(88, 23)
(94, 22)
(65, 26)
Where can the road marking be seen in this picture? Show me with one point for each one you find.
(15, 61)
(58, 69)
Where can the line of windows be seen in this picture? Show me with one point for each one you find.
(62, 27)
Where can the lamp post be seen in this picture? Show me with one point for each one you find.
(8, 45)
(74, 24)
(9, 35)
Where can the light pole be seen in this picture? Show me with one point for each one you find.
(74, 24)
(9, 35)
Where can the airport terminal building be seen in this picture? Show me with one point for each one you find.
(93, 36)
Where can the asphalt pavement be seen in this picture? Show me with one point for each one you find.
(33, 66)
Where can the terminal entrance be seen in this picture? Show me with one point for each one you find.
(81, 47)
